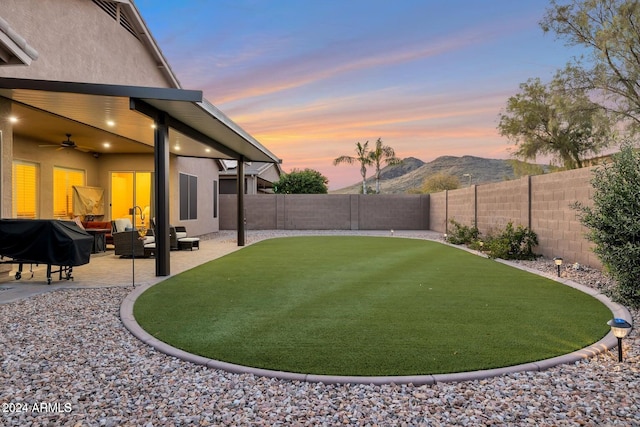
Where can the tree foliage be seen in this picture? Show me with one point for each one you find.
(555, 120)
(380, 155)
(610, 30)
(614, 221)
(307, 181)
(521, 168)
(440, 182)
(363, 157)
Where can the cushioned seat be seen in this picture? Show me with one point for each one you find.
(128, 243)
(189, 243)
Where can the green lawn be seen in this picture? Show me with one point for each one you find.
(347, 305)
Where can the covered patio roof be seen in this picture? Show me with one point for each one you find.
(196, 127)
(136, 119)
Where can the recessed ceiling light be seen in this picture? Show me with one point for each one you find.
(153, 126)
(177, 147)
(207, 150)
(13, 119)
(106, 144)
(111, 123)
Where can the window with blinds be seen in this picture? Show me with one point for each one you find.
(63, 181)
(25, 189)
(188, 197)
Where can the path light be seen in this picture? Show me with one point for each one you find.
(620, 329)
(558, 262)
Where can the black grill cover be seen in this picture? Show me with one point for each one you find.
(45, 241)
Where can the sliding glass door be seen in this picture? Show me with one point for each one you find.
(129, 189)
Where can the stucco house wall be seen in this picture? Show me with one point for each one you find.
(79, 42)
(206, 170)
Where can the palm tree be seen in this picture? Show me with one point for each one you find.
(363, 156)
(382, 154)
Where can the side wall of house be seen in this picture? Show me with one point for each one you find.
(206, 172)
(79, 42)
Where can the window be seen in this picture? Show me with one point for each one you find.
(188, 197)
(63, 181)
(215, 198)
(25, 189)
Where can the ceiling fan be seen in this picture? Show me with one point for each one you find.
(68, 143)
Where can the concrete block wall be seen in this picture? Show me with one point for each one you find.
(327, 212)
(393, 211)
(462, 206)
(501, 203)
(438, 211)
(542, 203)
(310, 212)
(556, 223)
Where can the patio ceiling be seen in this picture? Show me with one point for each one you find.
(94, 114)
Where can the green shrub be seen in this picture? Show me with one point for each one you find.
(512, 243)
(614, 222)
(462, 234)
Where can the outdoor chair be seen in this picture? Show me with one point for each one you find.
(129, 244)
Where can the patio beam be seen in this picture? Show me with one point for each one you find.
(161, 162)
(240, 201)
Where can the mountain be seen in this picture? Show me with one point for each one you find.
(402, 178)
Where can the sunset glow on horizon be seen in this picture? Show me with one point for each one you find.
(309, 79)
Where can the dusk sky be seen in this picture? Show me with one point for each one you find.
(310, 78)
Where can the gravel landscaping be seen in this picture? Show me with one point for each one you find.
(66, 359)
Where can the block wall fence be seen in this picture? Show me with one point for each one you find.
(327, 212)
(542, 203)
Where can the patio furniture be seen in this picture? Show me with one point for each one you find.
(189, 243)
(129, 244)
(182, 241)
(99, 239)
(100, 225)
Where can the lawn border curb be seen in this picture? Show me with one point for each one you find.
(603, 345)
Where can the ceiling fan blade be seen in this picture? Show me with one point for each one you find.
(49, 145)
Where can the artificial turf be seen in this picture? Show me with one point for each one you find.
(354, 305)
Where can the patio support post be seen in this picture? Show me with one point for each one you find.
(161, 163)
(241, 224)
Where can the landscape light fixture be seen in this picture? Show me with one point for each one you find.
(558, 262)
(620, 329)
(392, 232)
(468, 175)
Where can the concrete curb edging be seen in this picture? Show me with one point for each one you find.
(605, 344)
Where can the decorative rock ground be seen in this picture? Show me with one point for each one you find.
(66, 359)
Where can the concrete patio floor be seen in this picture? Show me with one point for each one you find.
(108, 270)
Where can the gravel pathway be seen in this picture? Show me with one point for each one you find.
(66, 359)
